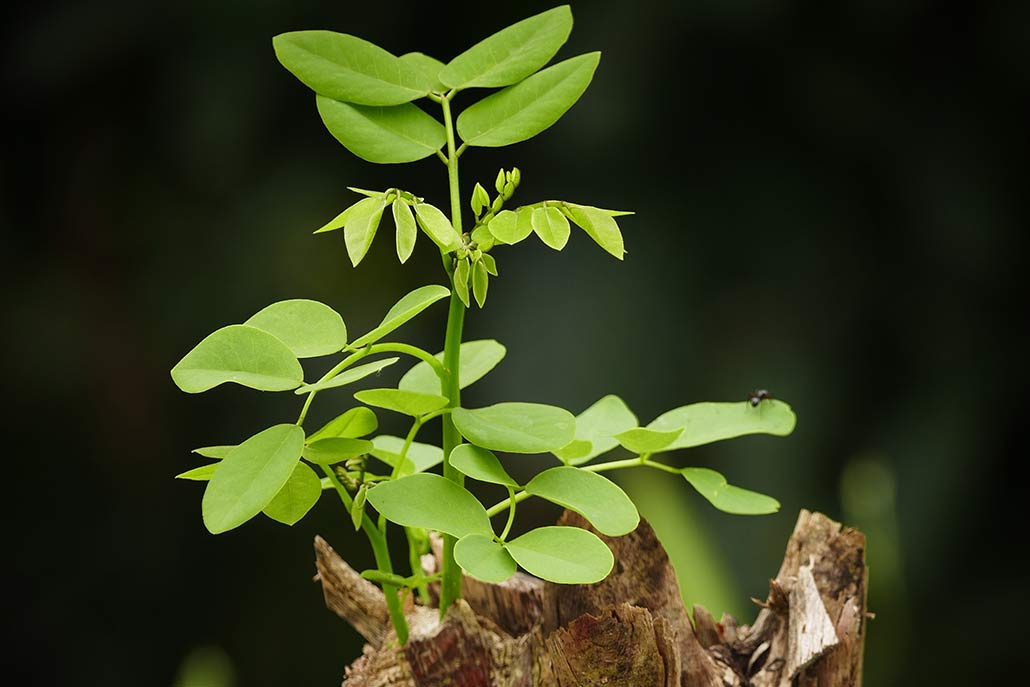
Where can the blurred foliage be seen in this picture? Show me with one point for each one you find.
(829, 207)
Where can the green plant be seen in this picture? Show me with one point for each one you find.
(366, 97)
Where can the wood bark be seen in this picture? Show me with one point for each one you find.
(629, 630)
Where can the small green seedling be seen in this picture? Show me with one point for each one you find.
(367, 99)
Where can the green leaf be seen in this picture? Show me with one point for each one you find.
(516, 427)
(250, 477)
(478, 463)
(480, 199)
(348, 376)
(437, 227)
(338, 222)
(551, 226)
(419, 458)
(407, 232)
(598, 426)
(356, 422)
(404, 310)
(512, 54)
(335, 449)
(240, 354)
(348, 68)
(482, 237)
(480, 283)
(727, 497)
(483, 558)
(308, 328)
(477, 358)
(384, 135)
(489, 263)
(642, 440)
(433, 502)
(297, 496)
(704, 423)
(400, 401)
(505, 227)
(199, 474)
(430, 66)
(461, 280)
(566, 555)
(596, 498)
(218, 452)
(357, 507)
(599, 225)
(522, 111)
(361, 227)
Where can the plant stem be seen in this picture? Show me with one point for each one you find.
(415, 561)
(511, 514)
(382, 555)
(450, 585)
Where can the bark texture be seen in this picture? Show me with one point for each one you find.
(629, 630)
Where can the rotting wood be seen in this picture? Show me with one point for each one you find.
(629, 630)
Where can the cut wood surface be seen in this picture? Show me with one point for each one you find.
(629, 630)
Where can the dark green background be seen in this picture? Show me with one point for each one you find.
(828, 205)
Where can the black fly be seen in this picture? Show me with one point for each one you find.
(757, 396)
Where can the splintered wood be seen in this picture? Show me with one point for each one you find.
(629, 630)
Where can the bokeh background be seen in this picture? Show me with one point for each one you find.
(828, 204)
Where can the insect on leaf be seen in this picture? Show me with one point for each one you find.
(704, 423)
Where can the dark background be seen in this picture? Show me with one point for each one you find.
(828, 204)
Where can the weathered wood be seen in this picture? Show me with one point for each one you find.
(629, 630)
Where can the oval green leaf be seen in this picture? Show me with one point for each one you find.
(240, 354)
(308, 328)
(404, 310)
(511, 54)
(704, 423)
(461, 281)
(726, 497)
(507, 227)
(437, 227)
(597, 426)
(596, 498)
(419, 458)
(480, 464)
(406, 402)
(430, 66)
(484, 559)
(566, 555)
(599, 225)
(347, 68)
(476, 359)
(522, 111)
(348, 376)
(199, 474)
(297, 496)
(516, 427)
(643, 440)
(361, 227)
(250, 477)
(551, 226)
(407, 232)
(356, 422)
(433, 502)
(335, 449)
(384, 135)
(480, 283)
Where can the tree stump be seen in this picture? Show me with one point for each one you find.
(629, 630)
